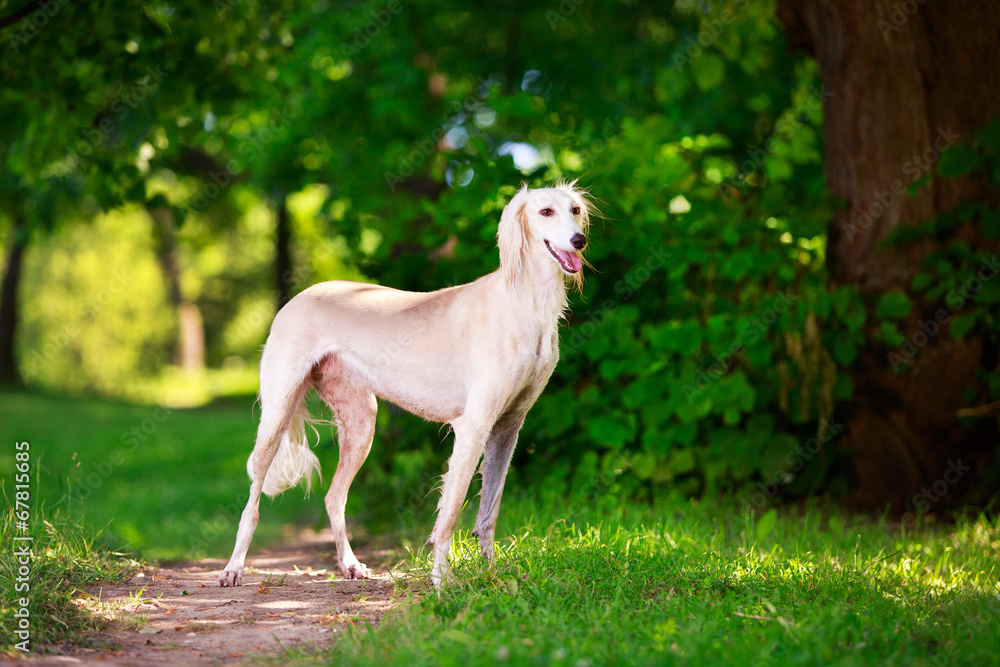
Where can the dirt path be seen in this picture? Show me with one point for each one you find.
(291, 598)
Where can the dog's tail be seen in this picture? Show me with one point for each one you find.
(294, 461)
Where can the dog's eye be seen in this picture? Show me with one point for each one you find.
(575, 210)
(545, 212)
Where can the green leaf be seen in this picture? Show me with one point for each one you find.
(682, 461)
(613, 433)
(766, 524)
(962, 324)
(848, 307)
(682, 337)
(644, 465)
(844, 351)
(921, 281)
(709, 71)
(894, 305)
(844, 387)
(889, 334)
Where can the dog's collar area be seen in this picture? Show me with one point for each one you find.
(569, 262)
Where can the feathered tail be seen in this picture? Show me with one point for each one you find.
(294, 460)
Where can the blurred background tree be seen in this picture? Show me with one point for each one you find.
(248, 149)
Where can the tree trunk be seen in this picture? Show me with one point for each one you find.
(189, 352)
(8, 305)
(905, 80)
(284, 279)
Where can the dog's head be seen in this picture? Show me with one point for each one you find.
(545, 222)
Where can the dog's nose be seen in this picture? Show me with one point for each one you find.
(578, 241)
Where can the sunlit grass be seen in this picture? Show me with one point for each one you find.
(579, 580)
(179, 389)
(64, 557)
(170, 481)
(690, 583)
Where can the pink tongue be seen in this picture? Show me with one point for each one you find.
(571, 259)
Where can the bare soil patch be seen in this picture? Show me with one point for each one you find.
(291, 598)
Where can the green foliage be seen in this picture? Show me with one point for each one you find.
(695, 131)
(708, 302)
(707, 343)
(893, 305)
(956, 287)
(95, 320)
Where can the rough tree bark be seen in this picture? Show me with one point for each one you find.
(8, 305)
(906, 79)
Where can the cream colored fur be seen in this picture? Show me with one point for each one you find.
(475, 356)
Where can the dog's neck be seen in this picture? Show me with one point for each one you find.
(540, 288)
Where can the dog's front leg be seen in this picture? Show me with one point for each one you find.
(470, 438)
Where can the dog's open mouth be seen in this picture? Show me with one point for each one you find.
(569, 262)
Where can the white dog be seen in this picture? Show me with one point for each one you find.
(475, 356)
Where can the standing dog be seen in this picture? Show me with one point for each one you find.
(475, 356)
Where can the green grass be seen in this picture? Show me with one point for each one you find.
(579, 581)
(64, 557)
(692, 584)
(170, 482)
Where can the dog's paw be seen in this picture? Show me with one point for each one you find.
(356, 571)
(231, 578)
(442, 579)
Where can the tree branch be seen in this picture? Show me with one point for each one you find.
(20, 14)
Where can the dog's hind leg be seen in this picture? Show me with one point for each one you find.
(354, 408)
(496, 460)
(280, 396)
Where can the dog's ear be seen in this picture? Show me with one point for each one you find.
(511, 237)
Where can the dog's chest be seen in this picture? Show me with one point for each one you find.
(543, 349)
(540, 358)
